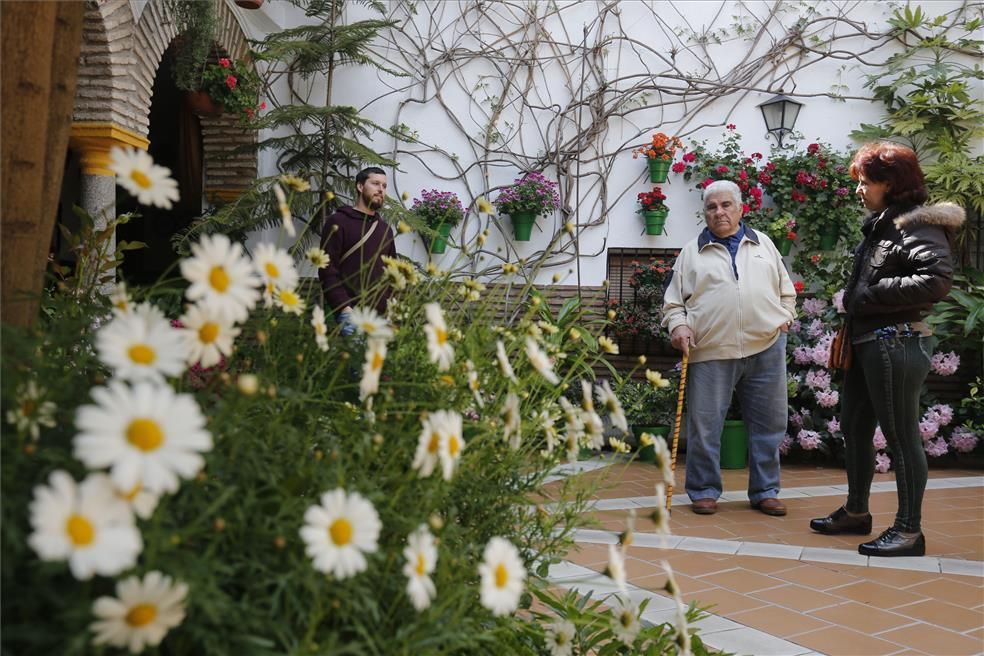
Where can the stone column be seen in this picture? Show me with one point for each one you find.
(92, 142)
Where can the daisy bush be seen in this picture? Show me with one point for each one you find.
(385, 492)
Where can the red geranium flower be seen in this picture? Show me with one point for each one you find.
(813, 148)
(791, 235)
(722, 169)
(732, 126)
(745, 209)
(231, 81)
(799, 286)
(224, 63)
(679, 167)
(689, 157)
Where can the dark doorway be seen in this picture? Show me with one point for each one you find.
(175, 142)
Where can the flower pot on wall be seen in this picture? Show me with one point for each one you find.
(828, 239)
(734, 444)
(784, 245)
(523, 225)
(655, 221)
(658, 170)
(439, 244)
(249, 4)
(202, 104)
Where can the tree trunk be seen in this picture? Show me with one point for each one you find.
(41, 42)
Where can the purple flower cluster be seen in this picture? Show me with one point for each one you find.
(437, 207)
(878, 439)
(882, 463)
(809, 440)
(818, 379)
(814, 307)
(963, 439)
(838, 301)
(531, 193)
(936, 448)
(945, 364)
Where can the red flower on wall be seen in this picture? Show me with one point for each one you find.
(231, 81)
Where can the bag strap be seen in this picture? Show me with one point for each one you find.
(361, 242)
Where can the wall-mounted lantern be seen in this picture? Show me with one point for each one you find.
(780, 115)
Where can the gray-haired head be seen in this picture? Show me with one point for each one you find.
(723, 186)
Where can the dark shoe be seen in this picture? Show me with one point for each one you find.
(704, 506)
(894, 542)
(839, 522)
(770, 506)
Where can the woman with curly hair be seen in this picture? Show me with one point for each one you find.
(901, 268)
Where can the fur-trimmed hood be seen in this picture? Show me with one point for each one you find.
(946, 215)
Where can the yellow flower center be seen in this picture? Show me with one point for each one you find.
(454, 446)
(435, 441)
(289, 298)
(368, 327)
(28, 406)
(377, 361)
(219, 279)
(141, 615)
(340, 531)
(208, 332)
(441, 336)
(142, 354)
(421, 567)
(501, 576)
(80, 530)
(626, 619)
(141, 179)
(132, 494)
(272, 270)
(145, 434)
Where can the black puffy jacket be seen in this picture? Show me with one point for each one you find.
(902, 266)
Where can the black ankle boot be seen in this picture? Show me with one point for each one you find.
(839, 522)
(894, 542)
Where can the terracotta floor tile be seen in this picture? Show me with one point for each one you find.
(896, 578)
(778, 621)
(687, 584)
(722, 602)
(861, 617)
(743, 580)
(941, 613)
(798, 598)
(764, 565)
(699, 564)
(952, 591)
(838, 641)
(588, 554)
(715, 532)
(959, 528)
(816, 576)
(639, 568)
(875, 594)
(934, 640)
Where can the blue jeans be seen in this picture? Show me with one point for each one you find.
(760, 383)
(882, 387)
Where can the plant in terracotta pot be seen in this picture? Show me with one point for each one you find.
(440, 211)
(235, 87)
(652, 206)
(659, 152)
(527, 198)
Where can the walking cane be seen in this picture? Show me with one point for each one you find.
(676, 430)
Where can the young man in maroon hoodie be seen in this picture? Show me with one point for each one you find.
(355, 239)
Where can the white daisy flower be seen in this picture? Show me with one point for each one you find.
(448, 425)
(142, 345)
(368, 322)
(625, 621)
(421, 555)
(608, 400)
(428, 448)
(503, 576)
(31, 412)
(317, 257)
(474, 384)
(616, 566)
(289, 301)
(607, 345)
(660, 515)
(221, 276)
(142, 501)
(587, 398)
(617, 445)
(511, 421)
(120, 299)
(594, 429)
(208, 335)
(339, 532)
(275, 266)
(548, 423)
(141, 613)
(320, 327)
(373, 367)
(500, 354)
(294, 182)
(656, 379)
(560, 637)
(663, 459)
(136, 172)
(440, 349)
(284, 208)
(146, 433)
(540, 361)
(88, 525)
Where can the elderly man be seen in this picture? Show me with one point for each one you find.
(727, 305)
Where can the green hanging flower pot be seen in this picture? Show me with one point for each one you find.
(439, 244)
(523, 225)
(828, 239)
(655, 221)
(659, 169)
(784, 245)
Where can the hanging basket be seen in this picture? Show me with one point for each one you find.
(523, 225)
(439, 244)
(784, 245)
(655, 221)
(202, 104)
(659, 169)
(249, 4)
(828, 240)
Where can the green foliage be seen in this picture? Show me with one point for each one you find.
(196, 23)
(646, 404)
(234, 86)
(729, 162)
(958, 320)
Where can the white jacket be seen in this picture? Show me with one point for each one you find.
(730, 318)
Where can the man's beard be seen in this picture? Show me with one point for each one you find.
(371, 202)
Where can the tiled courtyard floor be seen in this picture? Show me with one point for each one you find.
(775, 587)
